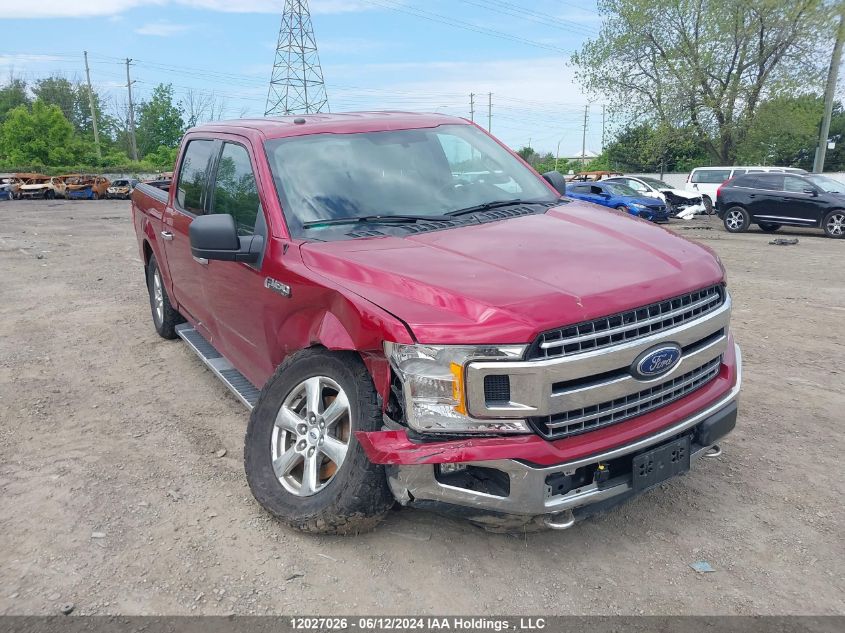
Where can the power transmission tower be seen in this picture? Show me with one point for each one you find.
(132, 144)
(296, 85)
(91, 105)
(472, 107)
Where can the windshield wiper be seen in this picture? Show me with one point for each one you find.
(381, 219)
(487, 206)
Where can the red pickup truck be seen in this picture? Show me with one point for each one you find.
(413, 314)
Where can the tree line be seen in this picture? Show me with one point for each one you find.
(47, 126)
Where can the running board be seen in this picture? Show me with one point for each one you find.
(237, 383)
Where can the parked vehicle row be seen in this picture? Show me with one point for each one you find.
(21, 186)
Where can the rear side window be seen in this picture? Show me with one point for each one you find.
(193, 176)
(578, 188)
(235, 191)
(743, 181)
(711, 176)
(770, 182)
(738, 172)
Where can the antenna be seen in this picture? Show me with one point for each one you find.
(296, 85)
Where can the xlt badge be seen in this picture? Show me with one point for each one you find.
(277, 286)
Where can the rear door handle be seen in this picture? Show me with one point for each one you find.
(200, 260)
(167, 235)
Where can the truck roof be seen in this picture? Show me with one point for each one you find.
(279, 127)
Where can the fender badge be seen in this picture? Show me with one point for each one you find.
(277, 286)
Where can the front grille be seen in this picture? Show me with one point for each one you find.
(626, 326)
(613, 411)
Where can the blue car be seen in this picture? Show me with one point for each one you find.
(619, 196)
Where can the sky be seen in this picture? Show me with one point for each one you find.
(375, 55)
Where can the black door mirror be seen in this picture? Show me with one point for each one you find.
(556, 180)
(812, 192)
(216, 236)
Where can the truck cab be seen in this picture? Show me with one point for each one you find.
(412, 314)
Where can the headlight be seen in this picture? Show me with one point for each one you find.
(433, 383)
(637, 205)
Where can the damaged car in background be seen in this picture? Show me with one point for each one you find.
(41, 186)
(681, 204)
(121, 189)
(6, 184)
(87, 187)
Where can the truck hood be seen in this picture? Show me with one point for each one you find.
(507, 281)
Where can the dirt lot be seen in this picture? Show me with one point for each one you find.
(114, 497)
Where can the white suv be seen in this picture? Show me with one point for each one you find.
(706, 180)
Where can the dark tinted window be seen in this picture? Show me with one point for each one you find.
(739, 172)
(578, 188)
(235, 191)
(193, 176)
(769, 182)
(743, 181)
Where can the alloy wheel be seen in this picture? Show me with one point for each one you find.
(158, 296)
(311, 436)
(734, 220)
(836, 224)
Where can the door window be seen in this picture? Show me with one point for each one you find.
(795, 185)
(193, 176)
(235, 190)
(770, 182)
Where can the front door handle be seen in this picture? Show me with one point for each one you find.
(167, 235)
(200, 260)
(752, 195)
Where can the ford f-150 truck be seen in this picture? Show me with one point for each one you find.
(413, 314)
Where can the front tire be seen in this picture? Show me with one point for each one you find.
(302, 460)
(834, 224)
(165, 317)
(736, 220)
(623, 209)
(768, 227)
(708, 205)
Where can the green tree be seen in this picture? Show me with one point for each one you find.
(159, 121)
(12, 95)
(704, 63)
(785, 132)
(42, 136)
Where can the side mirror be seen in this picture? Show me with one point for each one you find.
(215, 236)
(556, 180)
(812, 192)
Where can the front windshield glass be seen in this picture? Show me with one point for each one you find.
(618, 189)
(427, 172)
(657, 184)
(827, 184)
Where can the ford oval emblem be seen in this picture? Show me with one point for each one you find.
(656, 361)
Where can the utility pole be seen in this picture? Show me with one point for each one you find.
(133, 145)
(584, 136)
(472, 107)
(832, 75)
(489, 110)
(91, 105)
(602, 126)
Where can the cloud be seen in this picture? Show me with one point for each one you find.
(91, 8)
(162, 29)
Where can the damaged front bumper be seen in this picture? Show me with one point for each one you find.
(507, 493)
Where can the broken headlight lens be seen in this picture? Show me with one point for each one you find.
(432, 379)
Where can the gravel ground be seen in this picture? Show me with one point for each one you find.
(117, 495)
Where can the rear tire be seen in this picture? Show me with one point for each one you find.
(834, 224)
(165, 317)
(348, 497)
(49, 194)
(95, 196)
(768, 227)
(736, 220)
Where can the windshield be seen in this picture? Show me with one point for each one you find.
(424, 172)
(120, 183)
(618, 189)
(826, 184)
(658, 184)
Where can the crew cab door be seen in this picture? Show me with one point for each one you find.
(234, 292)
(187, 274)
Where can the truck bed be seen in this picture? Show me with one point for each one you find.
(157, 190)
